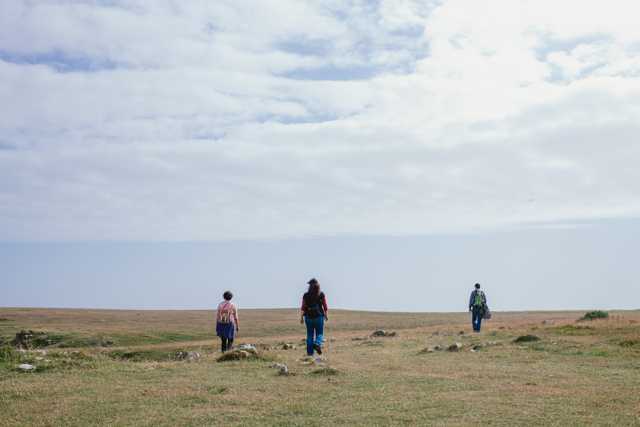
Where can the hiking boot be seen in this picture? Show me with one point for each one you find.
(317, 348)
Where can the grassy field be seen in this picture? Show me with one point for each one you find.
(111, 367)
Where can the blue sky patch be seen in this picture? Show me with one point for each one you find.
(62, 62)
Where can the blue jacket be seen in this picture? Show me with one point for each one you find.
(473, 297)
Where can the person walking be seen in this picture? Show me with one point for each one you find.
(477, 301)
(226, 319)
(313, 314)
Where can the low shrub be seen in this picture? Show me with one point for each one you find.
(597, 314)
(527, 338)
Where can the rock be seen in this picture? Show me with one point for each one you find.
(243, 353)
(288, 346)
(544, 322)
(493, 343)
(379, 334)
(319, 359)
(323, 340)
(186, 355)
(262, 347)
(283, 369)
(334, 339)
(319, 364)
(39, 358)
(393, 334)
(472, 350)
(458, 344)
(357, 339)
(440, 347)
(276, 366)
(461, 333)
(27, 367)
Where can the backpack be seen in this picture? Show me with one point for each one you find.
(225, 315)
(478, 300)
(314, 309)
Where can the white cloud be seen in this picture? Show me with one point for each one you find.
(200, 120)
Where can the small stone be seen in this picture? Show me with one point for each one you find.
(27, 367)
(283, 369)
(39, 358)
(243, 353)
(458, 344)
(334, 339)
(472, 350)
(379, 334)
(319, 359)
(323, 340)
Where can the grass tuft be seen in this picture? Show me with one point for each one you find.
(248, 354)
(9, 354)
(326, 371)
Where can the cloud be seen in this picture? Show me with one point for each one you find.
(243, 120)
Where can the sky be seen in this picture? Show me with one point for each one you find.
(154, 154)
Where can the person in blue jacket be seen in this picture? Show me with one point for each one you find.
(477, 301)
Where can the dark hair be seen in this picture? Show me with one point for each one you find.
(477, 285)
(227, 295)
(314, 288)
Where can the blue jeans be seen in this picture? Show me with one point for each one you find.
(316, 325)
(476, 320)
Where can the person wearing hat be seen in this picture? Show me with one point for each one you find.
(477, 301)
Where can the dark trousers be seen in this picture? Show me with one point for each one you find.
(476, 319)
(226, 344)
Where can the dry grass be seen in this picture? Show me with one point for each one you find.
(577, 374)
